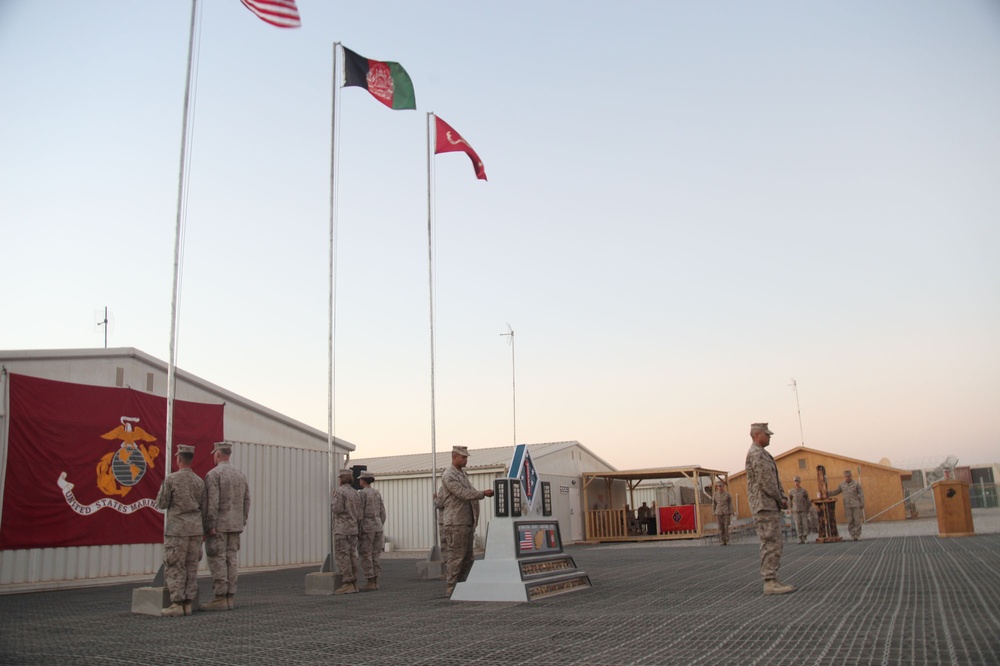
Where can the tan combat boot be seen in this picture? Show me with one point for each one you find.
(230, 604)
(371, 586)
(188, 608)
(777, 587)
(448, 590)
(346, 588)
(174, 610)
(217, 604)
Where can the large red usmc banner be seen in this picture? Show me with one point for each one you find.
(84, 463)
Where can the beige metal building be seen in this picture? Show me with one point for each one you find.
(882, 485)
(286, 463)
(406, 487)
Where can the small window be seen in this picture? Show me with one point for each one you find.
(119, 376)
(802, 463)
(149, 382)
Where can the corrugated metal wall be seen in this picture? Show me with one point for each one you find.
(288, 525)
(409, 509)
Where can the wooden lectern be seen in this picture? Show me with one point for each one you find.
(827, 510)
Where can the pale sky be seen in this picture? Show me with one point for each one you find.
(689, 205)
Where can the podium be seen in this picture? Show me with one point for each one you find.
(954, 508)
(826, 509)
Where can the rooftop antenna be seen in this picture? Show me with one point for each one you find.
(106, 323)
(795, 387)
(513, 375)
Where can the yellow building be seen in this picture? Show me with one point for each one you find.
(882, 485)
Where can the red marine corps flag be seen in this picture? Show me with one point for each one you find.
(85, 463)
(448, 141)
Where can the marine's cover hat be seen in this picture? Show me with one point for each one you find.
(185, 448)
(460, 450)
(760, 427)
(222, 445)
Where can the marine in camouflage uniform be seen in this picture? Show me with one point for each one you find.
(854, 503)
(227, 506)
(371, 540)
(766, 499)
(722, 507)
(461, 514)
(181, 497)
(801, 506)
(347, 514)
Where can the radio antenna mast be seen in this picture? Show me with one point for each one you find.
(513, 375)
(795, 387)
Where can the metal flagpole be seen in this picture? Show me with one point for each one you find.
(175, 281)
(172, 360)
(328, 565)
(435, 553)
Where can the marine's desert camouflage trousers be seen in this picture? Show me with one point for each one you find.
(456, 544)
(223, 551)
(181, 555)
(768, 524)
(801, 524)
(370, 547)
(724, 526)
(855, 516)
(345, 551)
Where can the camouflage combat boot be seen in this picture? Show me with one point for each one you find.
(217, 604)
(448, 590)
(346, 588)
(777, 587)
(174, 610)
(371, 586)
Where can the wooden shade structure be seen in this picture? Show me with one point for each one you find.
(612, 522)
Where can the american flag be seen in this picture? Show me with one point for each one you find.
(527, 542)
(282, 13)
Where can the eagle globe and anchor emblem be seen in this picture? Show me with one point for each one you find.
(118, 471)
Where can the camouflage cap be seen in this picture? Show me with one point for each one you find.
(368, 476)
(760, 427)
(797, 478)
(346, 472)
(460, 450)
(222, 445)
(185, 448)
(847, 472)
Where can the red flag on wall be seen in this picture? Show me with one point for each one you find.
(678, 518)
(84, 463)
(280, 13)
(448, 141)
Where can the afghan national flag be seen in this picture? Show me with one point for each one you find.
(448, 141)
(388, 82)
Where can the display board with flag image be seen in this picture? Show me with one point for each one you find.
(85, 463)
(387, 81)
(449, 141)
(280, 13)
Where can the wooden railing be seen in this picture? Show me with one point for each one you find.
(606, 523)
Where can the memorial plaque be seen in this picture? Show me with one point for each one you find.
(537, 538)
(546, 498)
(501, 498)
(546, 567)
(557, 587)
(515, 498)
